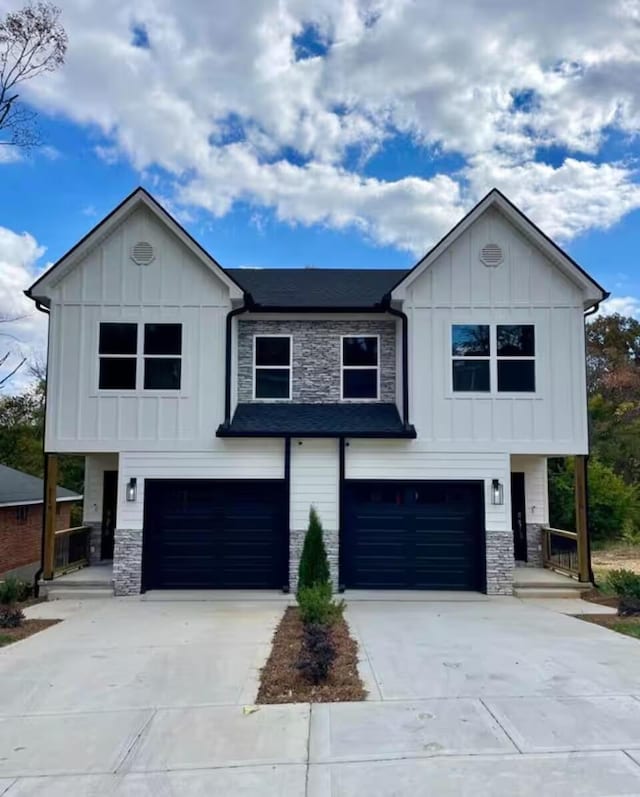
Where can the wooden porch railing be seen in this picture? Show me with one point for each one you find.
(560, 551)
(71, 549)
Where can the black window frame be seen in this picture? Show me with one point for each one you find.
(346, 367)
(266, 367)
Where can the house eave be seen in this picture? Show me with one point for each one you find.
(407, 433)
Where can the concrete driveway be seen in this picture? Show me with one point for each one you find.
(479, 697)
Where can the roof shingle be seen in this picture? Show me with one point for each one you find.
(17, 487)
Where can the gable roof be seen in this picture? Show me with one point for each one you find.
(319, 288)
(138, 197)
(18, 488)
(592, 290)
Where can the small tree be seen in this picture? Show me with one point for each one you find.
(314, 566)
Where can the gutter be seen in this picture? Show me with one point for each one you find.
(405, 359)
(227, 356)
(406, 433)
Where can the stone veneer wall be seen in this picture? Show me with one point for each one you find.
(500, 562)
(331, 543)
(316, 356)
(534, 545)
(95, 542)
(127, 562)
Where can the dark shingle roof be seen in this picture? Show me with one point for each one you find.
(316, 420)
(316, 287)
(16, 487)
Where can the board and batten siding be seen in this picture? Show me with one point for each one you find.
(411, 460)
(233, 459)
(314, 481)
(526, 289)
(536, 487)
(108, 286)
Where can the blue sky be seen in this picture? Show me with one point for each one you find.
(332, 133)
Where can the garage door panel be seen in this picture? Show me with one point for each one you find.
(411, 535)
(215, 534)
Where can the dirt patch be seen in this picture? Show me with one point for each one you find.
(616, 557)
(595, 596)
(630, 626)
(281, 682)
(28, 628)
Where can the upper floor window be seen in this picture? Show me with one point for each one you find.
(128, 360)
(503, 355)
(360, 367)
(272, 367)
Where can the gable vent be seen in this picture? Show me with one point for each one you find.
(491, 255)
(142, 253)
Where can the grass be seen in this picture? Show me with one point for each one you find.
(629, 626)
(5, 639)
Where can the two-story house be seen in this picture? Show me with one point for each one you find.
(414, 409)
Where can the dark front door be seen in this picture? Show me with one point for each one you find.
(518, 517)
(109, 507)
(215, 534)
(413, 535)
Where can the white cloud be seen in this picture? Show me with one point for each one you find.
(219, 97)
(22, 328)
(623, 305)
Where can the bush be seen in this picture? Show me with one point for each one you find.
(314, 566)
(318, 653)
(614, 505)
(626, 585)
(11, 617)
(12, 590)
(317, 605)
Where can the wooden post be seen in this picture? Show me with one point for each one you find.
(580, 472)
(50, 489)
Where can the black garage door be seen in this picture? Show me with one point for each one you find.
(215, 534)
(413, 535)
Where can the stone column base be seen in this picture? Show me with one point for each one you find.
(331, 543)
(534, 545)
(127, 562)
(500, 562)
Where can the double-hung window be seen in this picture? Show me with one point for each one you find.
(272, 367)
(500, 357)
(139, 356)
(360, 367)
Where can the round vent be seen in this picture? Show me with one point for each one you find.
(142, 253)
(491, 255)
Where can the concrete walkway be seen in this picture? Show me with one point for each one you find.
(479, 697)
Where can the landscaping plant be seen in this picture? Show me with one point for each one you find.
(12, 590)
(626, 585)
(11, 616)
(314, 566)
(318, 653)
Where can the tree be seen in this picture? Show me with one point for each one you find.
(9, 365)
(32, 41)
(613, 357)
(314, 567)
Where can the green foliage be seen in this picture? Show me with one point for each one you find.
(12, 590)
(614, 505)
(314, 566)
(11, 617)
(317, 605)
(624, 583)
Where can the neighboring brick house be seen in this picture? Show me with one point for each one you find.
(21, 502)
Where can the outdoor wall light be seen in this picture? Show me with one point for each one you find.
(497, 492)
(132, 489)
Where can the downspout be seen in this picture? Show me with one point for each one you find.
(405, 357)
(244, 307)
(40, 571)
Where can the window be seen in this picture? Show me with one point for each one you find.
(471, 350)
(117, 348)
(162, 356)
(22, 514)
(360, 367)
(475, 368)
(119, 353)
(516, 358)
(272, 372)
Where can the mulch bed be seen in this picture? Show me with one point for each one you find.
(595, 596)
(28, 627)
(630, 626)
(281, 681)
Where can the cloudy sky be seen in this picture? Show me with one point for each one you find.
(332, 132)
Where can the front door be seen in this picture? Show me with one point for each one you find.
(109, 506)
(518, 517)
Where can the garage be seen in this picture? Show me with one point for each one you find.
(413, 535)
(215, 535)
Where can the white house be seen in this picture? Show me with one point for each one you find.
(414, 409)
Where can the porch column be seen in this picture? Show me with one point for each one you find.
(582, 531)
(50, 495)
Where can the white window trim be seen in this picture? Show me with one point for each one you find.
(493, 359)
(255, 367)
(139, 357)
(359, 367)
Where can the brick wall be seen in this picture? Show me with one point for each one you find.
(20, 542)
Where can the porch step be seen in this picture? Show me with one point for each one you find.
(547, 590)
(75, 593)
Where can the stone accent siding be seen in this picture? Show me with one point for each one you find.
(534, 545)
(331, 543)
(95, 542)
(500, 562)
(316, 356)
(127, 562)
